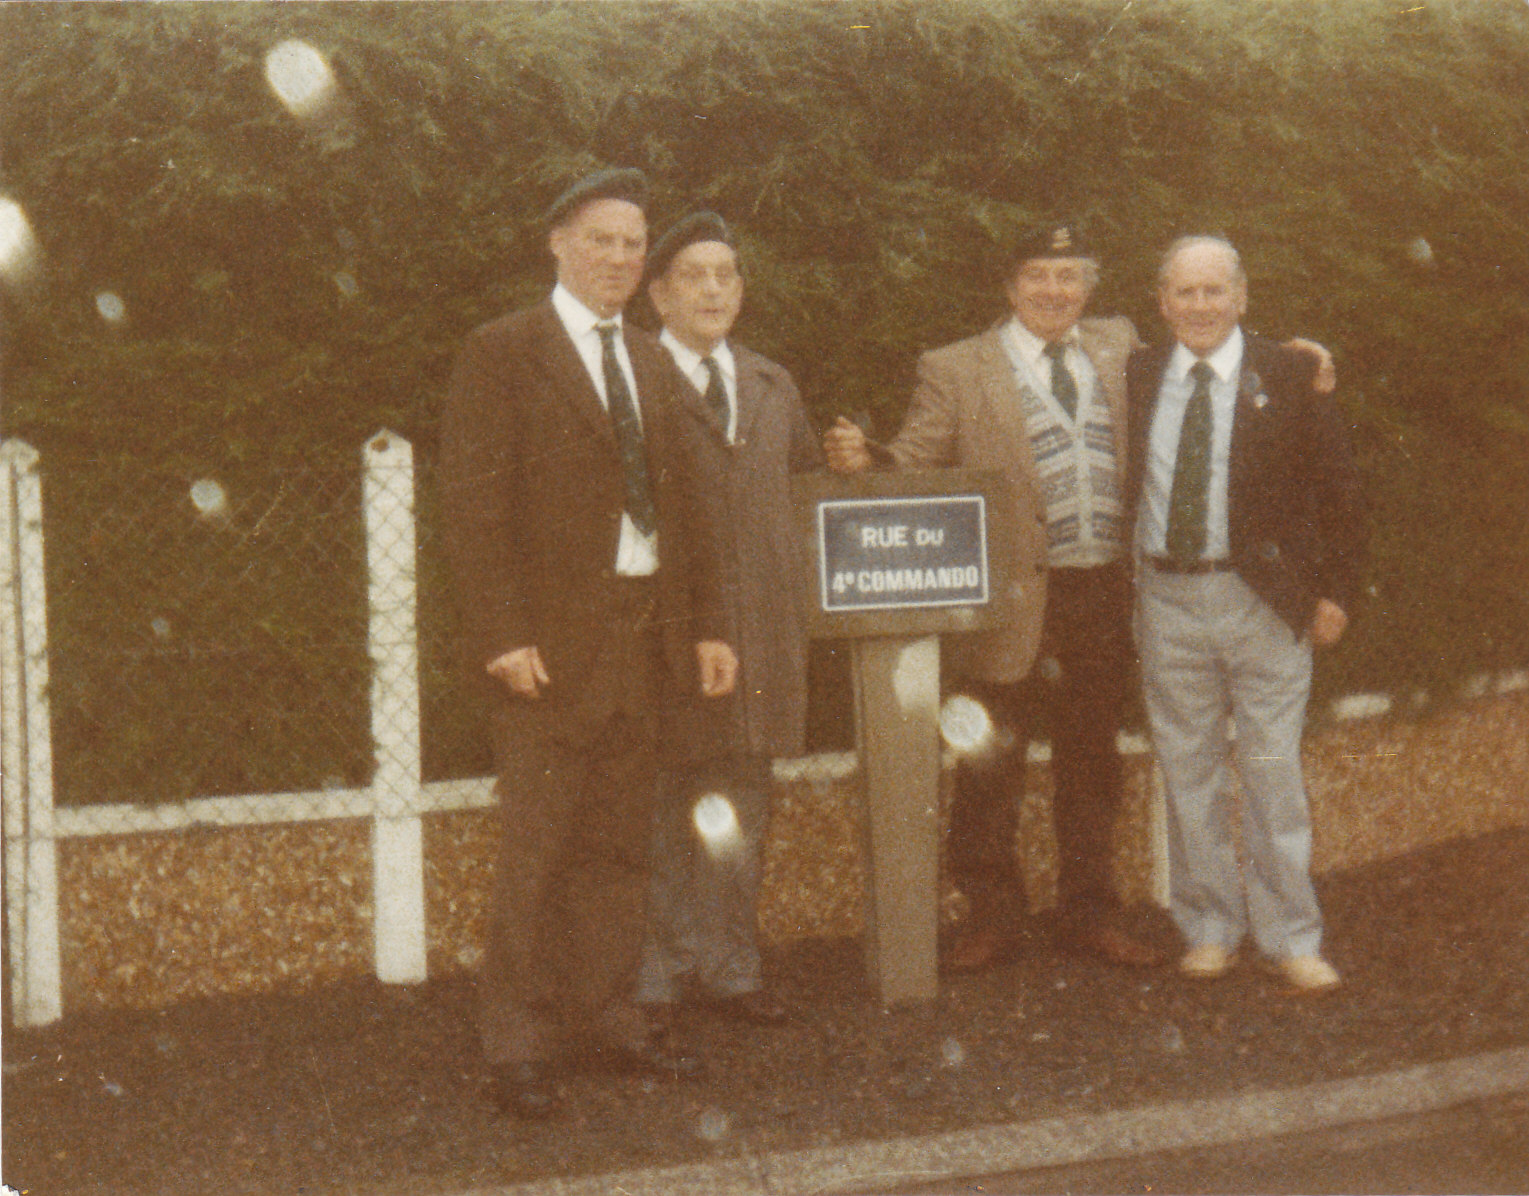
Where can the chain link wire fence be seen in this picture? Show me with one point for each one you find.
(211, 634)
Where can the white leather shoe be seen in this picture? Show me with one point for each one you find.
(1208, 961)
(1307, 973)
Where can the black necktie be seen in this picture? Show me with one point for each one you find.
(634, 462)
(1187, 501)
(1063, 389)
(716, 393)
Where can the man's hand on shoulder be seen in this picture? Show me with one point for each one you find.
(1327, 623)
(719, 668)
(1326, 380)
(522, 670)
(845, 447)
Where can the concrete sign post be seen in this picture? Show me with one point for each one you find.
(899, 559)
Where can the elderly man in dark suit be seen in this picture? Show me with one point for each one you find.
(1249, 535)
(587, 572)
(715, 795)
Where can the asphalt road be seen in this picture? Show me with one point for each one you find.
(1478, 1147)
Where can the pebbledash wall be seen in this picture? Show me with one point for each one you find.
(140, 905)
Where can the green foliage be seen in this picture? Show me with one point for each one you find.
(293, 284)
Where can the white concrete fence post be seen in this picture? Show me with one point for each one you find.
(26, 758)
(398, 868)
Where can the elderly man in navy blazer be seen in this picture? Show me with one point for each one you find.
(1248, 535)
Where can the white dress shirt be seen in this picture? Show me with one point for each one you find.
(1028, 353)
(1163, 444)
(636, 554)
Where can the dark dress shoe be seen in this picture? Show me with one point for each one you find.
(758, 1008)
(524, 1090)
(1113, 945)
(979, 948)
(650, 1057)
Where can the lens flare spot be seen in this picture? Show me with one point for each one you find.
(300, 77)
(111, 307)
(952, 1052)
(1420, 251)
(965, 724)
(18, 247)
(209, 498)
(715, 820)
(712, 1125)
(160, 627)
(345, 283)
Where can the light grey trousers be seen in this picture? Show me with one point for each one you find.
(708, 839)
(1215, 656)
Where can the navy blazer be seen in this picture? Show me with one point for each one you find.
(1294, 507)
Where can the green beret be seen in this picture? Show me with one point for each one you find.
(625, 183)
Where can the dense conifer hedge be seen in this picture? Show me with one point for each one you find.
(287, 285)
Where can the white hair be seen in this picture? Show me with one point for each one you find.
(1239, 275)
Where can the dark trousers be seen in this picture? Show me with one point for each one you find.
(1076, 688)
(567, 911)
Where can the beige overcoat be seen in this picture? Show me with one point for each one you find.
(765, 569)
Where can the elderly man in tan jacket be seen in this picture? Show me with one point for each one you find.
(1041, 397)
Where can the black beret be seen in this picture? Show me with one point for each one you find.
(1053, 239)
(627, 183)
(698, 226)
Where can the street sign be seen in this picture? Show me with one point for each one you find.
(907, 552)
(897, 553)
(901, 557)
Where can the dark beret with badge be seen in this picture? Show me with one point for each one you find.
(1050, 240)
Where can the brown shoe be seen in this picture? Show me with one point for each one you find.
(979, 948)
(1108, 942)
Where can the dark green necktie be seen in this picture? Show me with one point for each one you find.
(623, 412)
(1188, 499)
(716, 393)
(1063, 389)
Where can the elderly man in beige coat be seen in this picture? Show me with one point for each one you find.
(715, 791)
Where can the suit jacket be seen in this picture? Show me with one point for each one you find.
(967, 411)
(1294, 509)
(532, 497)
(764, 567)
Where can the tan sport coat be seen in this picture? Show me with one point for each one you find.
(967, 411)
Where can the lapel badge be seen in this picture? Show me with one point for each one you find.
(1252, 384)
